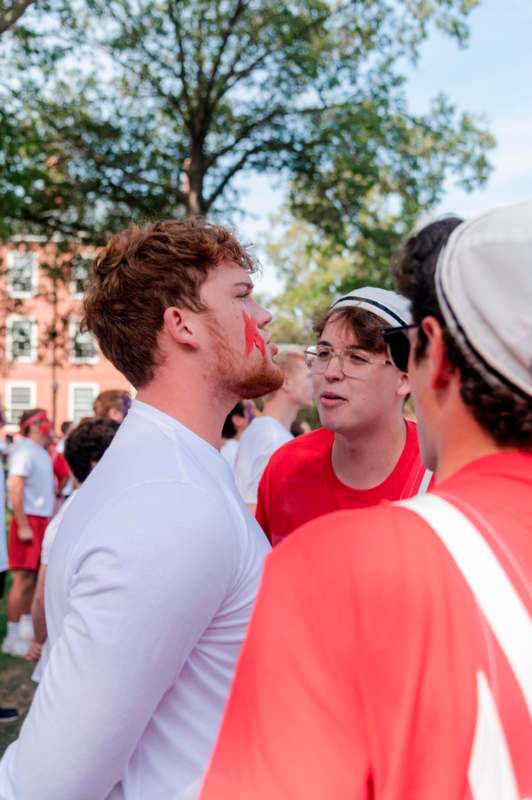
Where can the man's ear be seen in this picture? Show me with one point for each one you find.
(403, 384)
(440, 370)
(179, 325)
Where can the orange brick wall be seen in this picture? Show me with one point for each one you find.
(102, 373)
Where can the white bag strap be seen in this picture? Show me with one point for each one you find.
(425, 481)
(502, 607)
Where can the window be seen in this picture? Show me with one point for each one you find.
(21, 344)
(20, 395)
(81, 396)
(22, 273)
(83, 348)
(79, 275)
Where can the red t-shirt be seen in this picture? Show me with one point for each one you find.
(359, 675)
(299, 483)
(61, 469)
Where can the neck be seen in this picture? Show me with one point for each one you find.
(282, 409)
(461, 440)
(197, 405)
(364, 459)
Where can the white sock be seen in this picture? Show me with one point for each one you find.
(25, 628)
(12, 630)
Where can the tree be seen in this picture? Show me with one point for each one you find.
(140, 109)
(11, 12)
(312, 276)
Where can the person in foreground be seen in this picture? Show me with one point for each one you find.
(390, 650)
(155, 566)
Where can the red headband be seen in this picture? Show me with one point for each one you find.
(40, 415)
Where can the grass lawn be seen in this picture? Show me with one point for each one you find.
(16, 686)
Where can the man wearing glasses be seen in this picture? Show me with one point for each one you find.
(390, 650)
(366, 451)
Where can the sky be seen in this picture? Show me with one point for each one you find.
(491, 77)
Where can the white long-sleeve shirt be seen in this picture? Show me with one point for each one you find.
(149, 590)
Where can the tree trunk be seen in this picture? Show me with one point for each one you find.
(11, 15)
(193, 185)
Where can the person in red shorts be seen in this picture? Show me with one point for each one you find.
(31, 495)
(390, 651)
(366, 451)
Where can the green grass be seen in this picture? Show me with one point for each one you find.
(16, 686)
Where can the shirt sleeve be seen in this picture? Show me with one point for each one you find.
(139, 601)
(49, 538)
(20, 462)
(52, 529)
(60, 466)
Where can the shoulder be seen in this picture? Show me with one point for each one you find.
(21, 454)
(263, 436)
(379, 551)
(299, 450)
(153, 529)
(157, 512)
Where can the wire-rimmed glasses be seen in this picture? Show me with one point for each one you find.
(354, 361)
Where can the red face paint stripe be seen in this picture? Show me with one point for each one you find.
(253, 337)
(260, 343)
(250, 330)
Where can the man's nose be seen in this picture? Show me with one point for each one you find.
(334, 369)
(262, 315)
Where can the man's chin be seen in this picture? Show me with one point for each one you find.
(266, 378)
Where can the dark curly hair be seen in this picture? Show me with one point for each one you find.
(503, 411)
(87, 443)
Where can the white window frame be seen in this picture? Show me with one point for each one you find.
(73, 329)
(32, 358)
(9, 386)
(72, 285)
(72, 386)
(34, 275)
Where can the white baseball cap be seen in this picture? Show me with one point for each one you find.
(484, 286)
(393, 308)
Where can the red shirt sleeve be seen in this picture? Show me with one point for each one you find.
(60, 467)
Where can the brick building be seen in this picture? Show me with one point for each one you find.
(47, 361)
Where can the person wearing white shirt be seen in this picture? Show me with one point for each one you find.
(85, 445)
(31, 496)
(234, 426)
(265, 434)
(156, 563)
